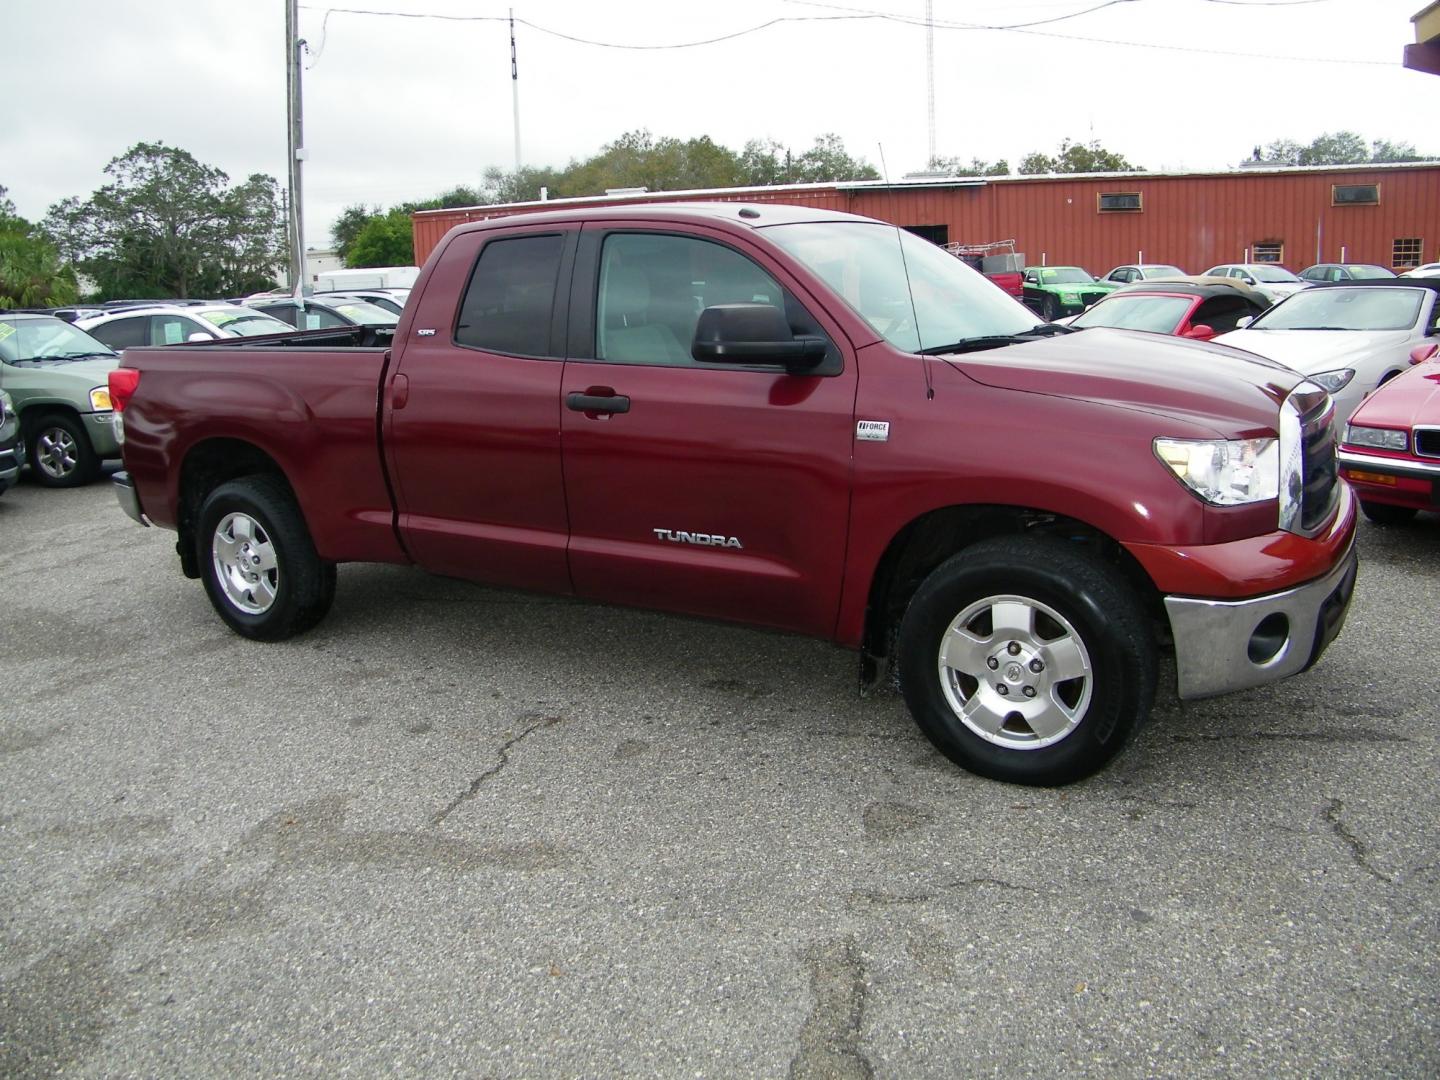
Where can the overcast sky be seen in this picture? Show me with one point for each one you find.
(399, 108)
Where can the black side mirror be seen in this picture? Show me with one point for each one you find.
(753, 334)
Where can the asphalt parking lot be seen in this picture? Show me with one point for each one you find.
(456, 831)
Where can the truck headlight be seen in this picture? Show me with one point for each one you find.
(100, 399)
(1225, 472)
(1333, 380)
(1378, 437)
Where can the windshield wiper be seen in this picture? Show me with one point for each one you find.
(994, 341)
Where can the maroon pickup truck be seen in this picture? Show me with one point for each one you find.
(789, 418)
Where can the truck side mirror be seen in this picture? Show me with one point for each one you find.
(1244, 321)
(753, 334)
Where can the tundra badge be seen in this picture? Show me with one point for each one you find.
(675, 536)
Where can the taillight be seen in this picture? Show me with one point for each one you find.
(123, 382)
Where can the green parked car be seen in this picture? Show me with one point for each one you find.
(57, 377)
(1054, 291)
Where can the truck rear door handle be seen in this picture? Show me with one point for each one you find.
(399, 392)
(597, 401)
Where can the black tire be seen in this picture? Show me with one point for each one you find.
(1100, 709)
(1387, 513)
(1050, 310)
(59, 451)
(293, 586)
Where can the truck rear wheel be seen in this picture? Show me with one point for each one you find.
(257, 560)
(1025, 660)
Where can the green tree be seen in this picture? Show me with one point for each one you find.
(31, 272)
(766, 162)
(384, 240)
(1076, 157)
(348, 225)
(955, 166)
(1382, 150)
(1339, 148)
(168, 225)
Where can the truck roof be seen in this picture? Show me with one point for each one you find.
(753, 215)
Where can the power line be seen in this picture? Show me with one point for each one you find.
(863, 15)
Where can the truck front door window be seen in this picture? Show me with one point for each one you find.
(508, 302)
(653, 288)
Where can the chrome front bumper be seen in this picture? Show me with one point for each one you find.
(129, 499)
(1388, 466)
(1225, 645)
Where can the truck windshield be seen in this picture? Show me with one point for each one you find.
(46, 339)
(912, 293)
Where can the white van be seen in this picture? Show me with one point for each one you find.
(367, 277)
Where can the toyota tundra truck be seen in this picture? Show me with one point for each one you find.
(790, 418)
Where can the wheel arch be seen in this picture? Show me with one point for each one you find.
(32, 411)
(207, 465)
(926, 541)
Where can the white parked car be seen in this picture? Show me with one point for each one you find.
(1126, 275)
(1423, 270)
(171, 324)
(1349, 338)
(1269, 279)
(391, 300)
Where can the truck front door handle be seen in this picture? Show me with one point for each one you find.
(597, 401)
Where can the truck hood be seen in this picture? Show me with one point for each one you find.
(1312, 351)
(1207, 384)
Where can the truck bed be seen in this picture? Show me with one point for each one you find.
(316, 410)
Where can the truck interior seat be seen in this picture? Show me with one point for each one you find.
(627, 331)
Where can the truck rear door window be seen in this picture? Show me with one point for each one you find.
(508, 303)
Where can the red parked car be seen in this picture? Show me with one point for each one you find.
(1391, 448)
(1192, 309)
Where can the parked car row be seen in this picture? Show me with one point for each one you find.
(55, 412)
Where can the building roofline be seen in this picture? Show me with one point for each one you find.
(732, 193)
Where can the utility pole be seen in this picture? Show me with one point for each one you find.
(930, 74)
(515, 89)
(295, 144)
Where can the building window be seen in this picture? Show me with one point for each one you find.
(1406, 253)
(1354, 194)
(1271, 252)
(1119, 202)
(936, 234)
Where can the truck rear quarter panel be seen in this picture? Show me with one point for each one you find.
(314, 411)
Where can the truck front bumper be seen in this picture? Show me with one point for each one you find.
(1225, 645)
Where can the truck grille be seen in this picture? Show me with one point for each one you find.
(1317, 449)
(1427, 442)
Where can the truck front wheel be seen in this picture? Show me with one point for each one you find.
(1024, 659)
(60, 452)
(257, 560)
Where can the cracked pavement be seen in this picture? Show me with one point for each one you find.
(459, 832)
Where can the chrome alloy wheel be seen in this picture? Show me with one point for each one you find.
(1015, 672)
(57, 453)
(245, 563)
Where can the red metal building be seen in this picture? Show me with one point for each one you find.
(1383, 214)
